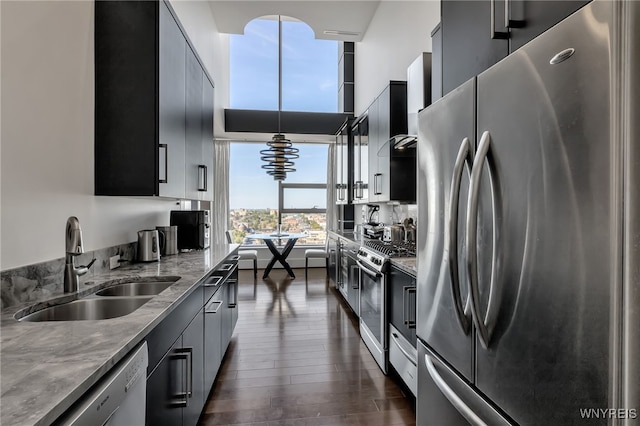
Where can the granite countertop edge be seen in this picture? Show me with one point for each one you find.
(406, 264)
(68, 357)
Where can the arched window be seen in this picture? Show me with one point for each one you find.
(309, 67)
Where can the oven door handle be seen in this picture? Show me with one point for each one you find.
(368, 271)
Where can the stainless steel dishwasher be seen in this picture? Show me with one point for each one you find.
(118, 399)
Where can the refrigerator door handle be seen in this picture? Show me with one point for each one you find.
(464, 156)
(484, 331)
(450, 394)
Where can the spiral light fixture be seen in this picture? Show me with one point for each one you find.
(279, 157)
(281, 152)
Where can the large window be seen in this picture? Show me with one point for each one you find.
(258, 204)
(309, 68)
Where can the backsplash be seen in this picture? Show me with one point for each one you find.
(45, 279)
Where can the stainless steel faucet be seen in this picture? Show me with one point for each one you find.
(74, 247)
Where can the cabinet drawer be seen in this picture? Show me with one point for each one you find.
(403, 356)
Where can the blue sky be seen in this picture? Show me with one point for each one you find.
(310, 78)
(309, 68)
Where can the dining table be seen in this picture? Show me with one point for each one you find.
(278, 256)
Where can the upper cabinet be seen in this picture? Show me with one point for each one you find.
(392, 172)
(476, 34)
(154, 105)
(360, 131)
(344, 164)
(198, 132)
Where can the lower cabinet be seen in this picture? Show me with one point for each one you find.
(175, 388)
(164, 385)
(213, 340)
(193, 349)
(186, 351)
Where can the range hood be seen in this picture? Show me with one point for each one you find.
(418, 97)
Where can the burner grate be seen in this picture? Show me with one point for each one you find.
(393, 249)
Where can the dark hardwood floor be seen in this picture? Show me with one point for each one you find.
(296, 358)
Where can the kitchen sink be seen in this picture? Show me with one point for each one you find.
(142, 288)
(88, 309)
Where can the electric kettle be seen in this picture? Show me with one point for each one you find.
(150, 242)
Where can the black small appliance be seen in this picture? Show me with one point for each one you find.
(193, 228)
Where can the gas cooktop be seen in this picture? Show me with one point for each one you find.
(392, 249)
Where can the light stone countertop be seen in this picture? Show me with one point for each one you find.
(47, 366)
(406, 264)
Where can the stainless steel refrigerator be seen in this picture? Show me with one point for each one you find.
(529, 227)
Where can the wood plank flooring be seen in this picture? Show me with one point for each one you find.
(296, 358)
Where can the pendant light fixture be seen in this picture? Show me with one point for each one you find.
(281, 153)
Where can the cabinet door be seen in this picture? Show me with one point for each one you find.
(171, 156)
(193, 122)
(333, 259)
(357, 164)
(467, 46)
(374, 146)
(383, 148)
(361, 161)
(402, 305)
(341, 193)
(537, 16)
(205, 176)
(353, 289)
(212, 338)
(166, 395)
(193, 347)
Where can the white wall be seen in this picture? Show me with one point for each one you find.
(47, 106)
(398, 33)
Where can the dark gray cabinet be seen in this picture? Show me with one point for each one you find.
(175, 388)
(187, 347)
(402, 303)
(171, 106)
(151, 104)
(334, 259)
(478, 33)
(213, 347)
(344, 164)
(392, 172)
(360, 132)
(199, 132)
(193, 349)
(164, 385)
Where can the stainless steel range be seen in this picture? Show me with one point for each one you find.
(373, 260)
(373, 295)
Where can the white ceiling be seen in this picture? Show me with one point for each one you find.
(349, 18)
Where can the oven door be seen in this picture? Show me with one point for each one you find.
(373, 314)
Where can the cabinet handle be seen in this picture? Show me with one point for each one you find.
(202, 177)
(408, 306)
(182, 397)
(213, 281)
(234, 283)
(496, 34)
(358, 189)
(403, 350)
(354, 273)
(208, 308)
(376, 191)
(508, 22)
(234, 258)
(165, 147)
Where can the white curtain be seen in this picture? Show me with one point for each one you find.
(332, 211)
(220, 207)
